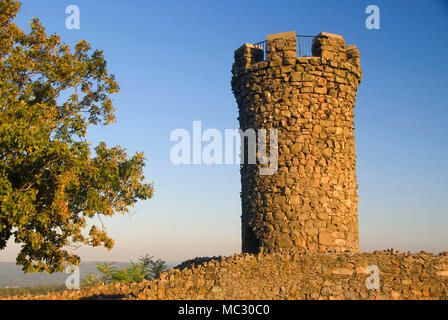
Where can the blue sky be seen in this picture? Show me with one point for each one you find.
(173, 62)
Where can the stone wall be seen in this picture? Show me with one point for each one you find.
(311, 203)
(310, 276)
(306, 276)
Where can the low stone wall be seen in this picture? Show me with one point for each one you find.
(278, 277)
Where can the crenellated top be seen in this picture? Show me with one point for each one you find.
(281, 49)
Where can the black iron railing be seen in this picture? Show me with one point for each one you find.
(262, 45)
(304, 46)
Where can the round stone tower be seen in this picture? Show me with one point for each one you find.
(310, 203)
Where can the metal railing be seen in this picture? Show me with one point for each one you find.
(304, 46)
(262, 46)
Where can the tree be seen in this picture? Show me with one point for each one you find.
(154, 267)
(51, 183)
(146, 269)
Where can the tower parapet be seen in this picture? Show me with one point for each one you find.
(311, 202)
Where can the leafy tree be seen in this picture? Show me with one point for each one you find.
(146, 269)
(154, 267)
(51, 183)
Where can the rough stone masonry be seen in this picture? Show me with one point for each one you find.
(308, 276)
(311, 203)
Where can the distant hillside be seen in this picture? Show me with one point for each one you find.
(13, 277)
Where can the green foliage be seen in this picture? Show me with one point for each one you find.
(51, 185)
(147, 268)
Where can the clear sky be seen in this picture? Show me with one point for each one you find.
(173, 62)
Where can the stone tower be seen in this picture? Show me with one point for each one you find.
(311, 202)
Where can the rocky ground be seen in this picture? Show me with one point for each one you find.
(310, 276)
